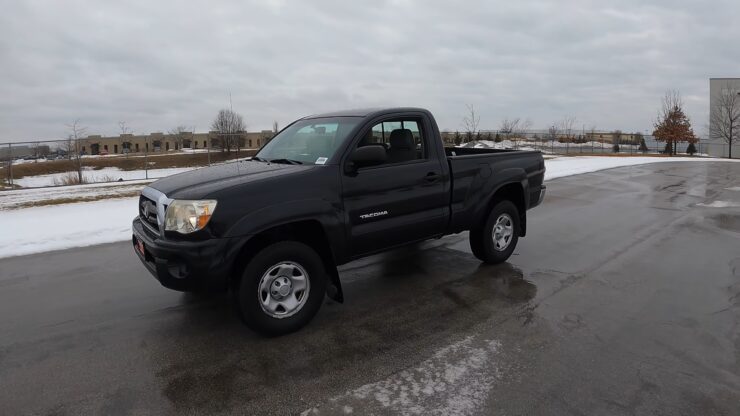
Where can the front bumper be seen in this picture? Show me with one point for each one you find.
(185, 265)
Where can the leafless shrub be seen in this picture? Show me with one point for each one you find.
(69, 178)
(471, 122)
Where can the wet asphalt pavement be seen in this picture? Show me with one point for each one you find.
(623, 299)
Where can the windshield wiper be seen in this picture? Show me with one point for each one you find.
(287, 161)
(259, 159)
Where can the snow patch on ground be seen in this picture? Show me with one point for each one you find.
(19, 198)
(568, 166)
(40, 229)
(456, 380)
(720, 204)
(101, 175)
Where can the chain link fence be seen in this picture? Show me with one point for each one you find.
(579, 145)
(96, 160)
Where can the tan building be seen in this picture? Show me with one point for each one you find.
(161, 142)
(608, 137)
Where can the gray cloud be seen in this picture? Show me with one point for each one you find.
(164, 63)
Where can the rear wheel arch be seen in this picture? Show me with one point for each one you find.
(514, 192)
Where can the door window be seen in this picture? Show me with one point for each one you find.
(402, 140)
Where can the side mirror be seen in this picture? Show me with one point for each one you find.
(368, 156)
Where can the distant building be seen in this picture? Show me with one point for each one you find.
(161, 142)
(610, 136)
(717, 146)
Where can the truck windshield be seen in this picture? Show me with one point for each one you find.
(308, 142)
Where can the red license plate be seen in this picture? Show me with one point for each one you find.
(140, 247)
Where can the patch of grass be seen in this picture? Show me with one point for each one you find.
(72, 200)
(69, 178)
(4, 183)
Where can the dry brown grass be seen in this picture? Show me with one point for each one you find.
(125, 163)
(69, 178)
(4, 183)
(72, 200)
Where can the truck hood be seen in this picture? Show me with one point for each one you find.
(199, 183)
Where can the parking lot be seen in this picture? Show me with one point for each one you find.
(624, 298)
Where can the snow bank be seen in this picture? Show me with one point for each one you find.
(567, 166)
(55, 227)
(101, 175)
(542, 144)
(39, 229)
(18, 198)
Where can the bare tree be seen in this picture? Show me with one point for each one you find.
(124, 129)
(231, 129)
(125, 146)
(514, 129)
(724, 119)
(567, 125)
(508, 127)
(592, 133)
(267, 137)
(617, 137)
(470, 122)
(180, 135)
(640, 140)
(74, 145)
(616, 140)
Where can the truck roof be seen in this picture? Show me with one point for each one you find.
(366, 112)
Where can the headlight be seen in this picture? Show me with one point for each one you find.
(188, 216)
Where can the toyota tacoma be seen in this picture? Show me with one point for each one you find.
(326, 190)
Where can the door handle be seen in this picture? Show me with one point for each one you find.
(432, 177)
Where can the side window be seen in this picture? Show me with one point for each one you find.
(402, 139)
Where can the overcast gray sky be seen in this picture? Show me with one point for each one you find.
(158, 64)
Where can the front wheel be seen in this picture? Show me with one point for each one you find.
(496, 240)
(282, 288)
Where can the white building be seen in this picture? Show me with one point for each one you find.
(717, 146)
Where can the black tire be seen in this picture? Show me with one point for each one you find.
(481, 238)
(249, 295)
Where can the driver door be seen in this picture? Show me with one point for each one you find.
(400, 201)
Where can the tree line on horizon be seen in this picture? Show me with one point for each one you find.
(672, 126)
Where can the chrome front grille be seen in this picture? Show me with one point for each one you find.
(152, 207)
(148, 212)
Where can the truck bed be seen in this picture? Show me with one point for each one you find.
(475, 173)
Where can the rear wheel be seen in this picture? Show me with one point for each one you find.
(282, 288)
(496, 240)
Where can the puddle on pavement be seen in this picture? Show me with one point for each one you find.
(727, 222)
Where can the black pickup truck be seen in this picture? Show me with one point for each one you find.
(326, 190)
